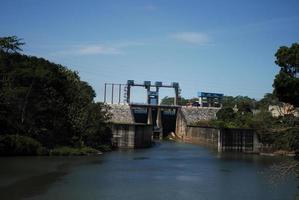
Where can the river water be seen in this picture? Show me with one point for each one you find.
(167, 171)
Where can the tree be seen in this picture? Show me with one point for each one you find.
(11, 44)
(48, 103)
(226, 114)
(243, 103)
(228, 101)
(170, 101)
(268, 100)
(286, 83)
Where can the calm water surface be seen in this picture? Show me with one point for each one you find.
(167, 171)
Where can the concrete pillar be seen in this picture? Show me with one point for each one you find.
(159, 122)
(200, 101)
(148, 89)
(128, 93)
(105, 92)
(243, 141)
(112, 93)
(149, 116)
(119, 93)
(176, 98)
(219, 141)
(255, 143)
(157, 91)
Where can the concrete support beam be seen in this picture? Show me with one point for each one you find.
(255, 143)
(176, 98)
(105, 92)
(243, 142)
(128, 94)
(219, 146)
(149, 116)
(159, 122)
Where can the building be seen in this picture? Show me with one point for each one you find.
(208, 99)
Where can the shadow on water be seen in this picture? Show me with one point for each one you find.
(141, 158)
(33, 185)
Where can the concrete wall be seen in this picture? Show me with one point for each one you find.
(143, 136)
(131, 135)
(205, 136)
(242, 140)
(202, 135)
(123, 135)
(195, 114)
(187, 116)
(181, 124)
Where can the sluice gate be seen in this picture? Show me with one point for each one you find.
(237, 140)
(161, 117)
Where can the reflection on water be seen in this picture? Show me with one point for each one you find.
(167, 171)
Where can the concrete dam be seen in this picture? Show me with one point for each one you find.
(137, 125)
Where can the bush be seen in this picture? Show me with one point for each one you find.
(12, 145)
(104, 148)
(70, 151)
(207, 123)
(288, 139)
(226, 114)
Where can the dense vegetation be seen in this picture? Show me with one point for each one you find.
(44, 106)
(181, 101)
(279, 132)
(286, 82)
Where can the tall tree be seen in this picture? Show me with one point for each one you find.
(286, 83)
(11, 44)
(47, 102)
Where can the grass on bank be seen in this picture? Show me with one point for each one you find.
(18, 145)
(71, 151)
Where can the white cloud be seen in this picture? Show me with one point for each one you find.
(196, 38)
(98, 50)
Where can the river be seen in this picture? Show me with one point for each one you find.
(169, 170)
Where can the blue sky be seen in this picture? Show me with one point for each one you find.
(213, 46)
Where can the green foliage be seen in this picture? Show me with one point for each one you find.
(287, 58)
(104, 148)
(288, 139)
(96, 132)
(49, 103)
(170, 101)
(242, 102)
(286, 88)
(267, 100)
(12, 145)
(228, 118)
(226, 114)
(286, 83)
(11, 44)
(181, 101)
(204, 123)
(69, 151)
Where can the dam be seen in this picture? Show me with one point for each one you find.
(136, 125)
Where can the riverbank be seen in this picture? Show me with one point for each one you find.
(17, 145)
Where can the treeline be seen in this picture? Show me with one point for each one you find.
(228, 101)
(45, 107)
(279, 131)
(275, 132)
